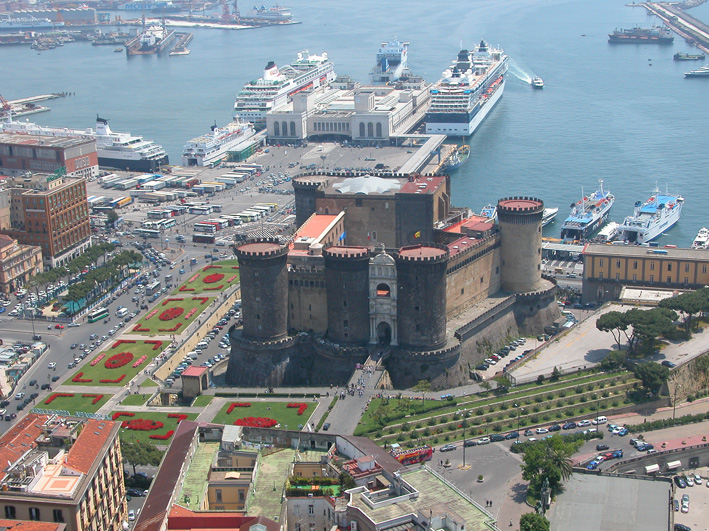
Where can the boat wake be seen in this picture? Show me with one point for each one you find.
(520, 72)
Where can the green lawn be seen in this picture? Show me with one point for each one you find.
(100, 372)
(151, 324)
(74, 404)
(224, 267)
(203, 400)
(129, 435)
(148, 383)
(135, 400)
(275, 410)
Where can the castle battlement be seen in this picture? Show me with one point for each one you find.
(263, 248)
(430, 252)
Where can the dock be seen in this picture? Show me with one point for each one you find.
(183, 39)
(27, 106)
(694, 31)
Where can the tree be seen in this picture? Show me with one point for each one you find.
(652, 375)
(140, 454)
(423, 387)
(548, 459)
(688, 304)
(613, 322)
(651, 324)
(555, 374)
(614, 360)
(111, 218)
(533, 522)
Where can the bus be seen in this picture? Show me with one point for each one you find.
(413, 455)
(149, 233)
(98, 314)
(204, 238)
(209, 228)
(152, 288)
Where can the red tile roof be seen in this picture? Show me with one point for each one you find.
(24, 525)
(194, 371)
(88, 444)
(181, 519)
(20, 438)
(422, 185)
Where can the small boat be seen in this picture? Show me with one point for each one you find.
(702, 239)
(456, 158)
(548, 215)
(682, 56)
(489, 212)
(118, 50)
(537, 83)
(702, 71)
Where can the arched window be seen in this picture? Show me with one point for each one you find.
(361, 129)
(379, 130)
(284, 126)
(383, 290)
(292, 129)
(276, 129)
(370, 129)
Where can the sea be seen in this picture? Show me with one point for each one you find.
(622, 113)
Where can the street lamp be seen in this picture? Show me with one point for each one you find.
(674, 402)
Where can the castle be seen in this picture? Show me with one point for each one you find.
(384, 268)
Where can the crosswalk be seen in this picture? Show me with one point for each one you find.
(566, 265)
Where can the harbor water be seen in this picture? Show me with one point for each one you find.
(623, 113)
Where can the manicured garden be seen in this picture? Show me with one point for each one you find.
(74, 402)
(135, 399)
(119, 364)
(202, 400)
(171, 316)
(212, 278)
(149, 428)
(265, 414)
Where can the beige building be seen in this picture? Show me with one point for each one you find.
(63, 470)
(610, 268)
(17, 263)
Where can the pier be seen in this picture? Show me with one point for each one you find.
(694, 31)
(26, 106)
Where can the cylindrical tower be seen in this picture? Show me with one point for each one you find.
(305, 189)
(264, 289)
(520, 220)
(347, 279)
(421, 286)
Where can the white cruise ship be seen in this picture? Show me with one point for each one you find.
(214, 146)
(467, 92)
(21, 23)
(277, 87)
(651, 218)
(121, 151)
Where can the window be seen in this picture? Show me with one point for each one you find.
(635, 278)
(296, 510)
(10, 511)
(218, 495)
(34, 513)
(345, 324)
(669, 267)
(686, 280)
(686, 268)
(652, 278)
(600, 262)
(58, 515)
(652, 266)
(600, 276)
(704, 268)
(669, 279)
(311, 509)
(297, 526)
(617, 263)
(617, 276)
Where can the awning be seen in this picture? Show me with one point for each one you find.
(672, 465)
(651, 469)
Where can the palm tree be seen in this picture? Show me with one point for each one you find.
(560, 463)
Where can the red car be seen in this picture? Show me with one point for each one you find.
(58, 326)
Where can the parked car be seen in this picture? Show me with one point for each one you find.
(447, 448)
(496, 437)
(600, 447)
(569, 426)
(512, 435)
(668, 363)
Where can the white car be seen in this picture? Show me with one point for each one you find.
(6, 303)
(697, 479)
(131, 515)
(583, 423)
(51, 365)
(541, 431)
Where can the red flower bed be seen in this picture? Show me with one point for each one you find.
(256, 422)
(237, 404)
(193, 277)
(179, 416)
(58, 395)
(212, 267)
(220, 286)
(78, 378)
(173, 329)
(235, 267)
(121, 341)
(156, 343)
(98, 358)
(231, 279)
(117, 380)
(213, 278)
(138, 328)
(96, 398)
(301, 407)
(167, 301)
(118, 360)
(118, 414)
(139, 361)
(172, 313)
(143, 424)
(185, 288)
(163, 437)
(204, 300)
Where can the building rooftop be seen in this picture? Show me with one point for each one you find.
(423, 185)
(19, 439)
(194, 485)
(43, 140)
(23, 525)
(367, 185)
(87, 445)
(194, 371)
(422, 251)
(315, 226)
(520, 203)
(273, 470)
(461, 245)
(181, 519)
(646, 252)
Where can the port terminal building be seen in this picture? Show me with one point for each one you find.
(346, 110)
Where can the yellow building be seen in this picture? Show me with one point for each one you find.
(608, 268)
(17, 263)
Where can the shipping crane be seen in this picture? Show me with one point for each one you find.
(5, 109)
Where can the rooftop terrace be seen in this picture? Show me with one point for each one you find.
(195, 484)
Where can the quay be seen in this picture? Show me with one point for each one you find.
(694, 31)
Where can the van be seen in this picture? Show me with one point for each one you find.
(600, 420)
(192, 355)
(122, 312)
(202, 345)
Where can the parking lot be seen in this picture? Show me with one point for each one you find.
(697, 505)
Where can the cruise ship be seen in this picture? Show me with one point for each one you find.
(587, 214)
(277, 87)
(214, 146)
(651, 218)
(391, 64)
(121, 151)
(20, 23)
(469, 89)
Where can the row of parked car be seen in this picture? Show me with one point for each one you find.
(689, 480)
(495, 358)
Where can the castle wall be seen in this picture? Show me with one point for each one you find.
(520, 221)
(415, 215)
(472, 276)
(347, 274)
(307, 300)
(369, 220)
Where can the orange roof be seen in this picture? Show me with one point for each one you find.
(194, 371)
(422, 185)
(88, 444)
(20, 438)
(315, 226)
(24, 525)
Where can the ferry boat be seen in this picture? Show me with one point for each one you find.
(656, 34)
(277, 87)
(609, 232)
(392, 60)
(457, 158)
(548, 215)
(121, 151)
(702, 71)
(702, 239)
(9, 23)
(467, 92)
(651, 218)
(587, 214)
(537, 83)
(215, 146)
(682, 56)
(271, 14)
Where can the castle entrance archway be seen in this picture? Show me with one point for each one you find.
(384, 333)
